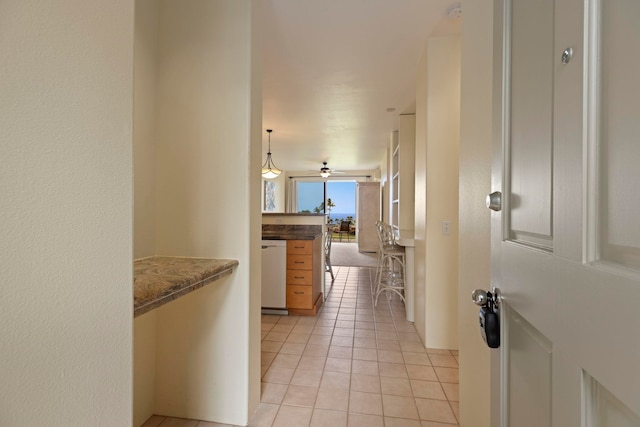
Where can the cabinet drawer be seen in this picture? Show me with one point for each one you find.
(299, 262)
(299, 277)
(304, 247)
(299, 297)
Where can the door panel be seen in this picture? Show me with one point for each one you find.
(620, 127)
(531, 112)
(612, 412)
(529, 375)
(598, 324)
(530, 277)
(568, 150)
(566, 246)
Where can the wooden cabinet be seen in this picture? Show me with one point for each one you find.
(299, 297)
(304, 275)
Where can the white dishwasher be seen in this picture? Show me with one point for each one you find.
(274, 277)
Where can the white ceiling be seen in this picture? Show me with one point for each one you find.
(331, 69)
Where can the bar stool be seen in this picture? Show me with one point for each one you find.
(385, 239)
(328, 237)
(390, 272)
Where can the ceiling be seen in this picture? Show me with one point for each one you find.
(332, 69)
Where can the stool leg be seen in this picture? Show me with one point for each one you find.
(384, 275)
(374, 284)
(380, 275)
(393, 284)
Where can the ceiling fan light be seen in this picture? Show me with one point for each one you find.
(325, 174)
(269, 169)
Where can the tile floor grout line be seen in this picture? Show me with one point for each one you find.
(348, 295)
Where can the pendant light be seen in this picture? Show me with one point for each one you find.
(269, 169)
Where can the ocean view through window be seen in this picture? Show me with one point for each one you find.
(335, 198)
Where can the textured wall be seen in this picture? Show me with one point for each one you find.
(144, 216)
(208, 148)
(66, 187)
(144, 128)
(437, 140)
(475, 184)
(443, 138)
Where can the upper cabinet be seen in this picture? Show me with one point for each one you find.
(402, 174)
(394, 176)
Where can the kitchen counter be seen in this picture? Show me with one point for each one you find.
(290, 232)
(289, 236)
(159, 280)
(291, 214)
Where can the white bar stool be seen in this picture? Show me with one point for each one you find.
(391, 272)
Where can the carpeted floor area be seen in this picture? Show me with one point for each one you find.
(346, 254)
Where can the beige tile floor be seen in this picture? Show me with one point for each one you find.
(354, 365)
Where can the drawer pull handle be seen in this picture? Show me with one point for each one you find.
(298, 262)
(299, 247)
(299, 293)
(298, 277)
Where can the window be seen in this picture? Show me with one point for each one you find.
(314, 197)
(310, 197)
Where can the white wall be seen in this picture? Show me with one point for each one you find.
(208, 204)
(437, 142)
(144, 223)
(301, 219)
(255, 219)
(144, 127)
(197, 143)
(144, 367)
(420, 231)
(475, 184)
(66, 184)
(144, 218)
(280, 181)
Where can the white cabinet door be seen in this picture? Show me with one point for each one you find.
(368, 202)
(566, 244)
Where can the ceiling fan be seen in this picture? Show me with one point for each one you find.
(325, 171)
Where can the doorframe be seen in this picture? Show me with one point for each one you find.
(501, 80)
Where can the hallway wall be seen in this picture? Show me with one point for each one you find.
(436, 199)
(66, 183)
(205, 148)
(475, 227)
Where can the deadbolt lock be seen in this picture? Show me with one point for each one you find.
(489, 315)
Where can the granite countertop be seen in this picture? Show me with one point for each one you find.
(289, 236)
(158, 280)
(290, 232)
(292, 214)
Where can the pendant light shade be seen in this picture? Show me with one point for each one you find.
(269, 169)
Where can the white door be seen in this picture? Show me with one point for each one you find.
(368, 202)
(566, 244)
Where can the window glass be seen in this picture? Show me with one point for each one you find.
(310, 197)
